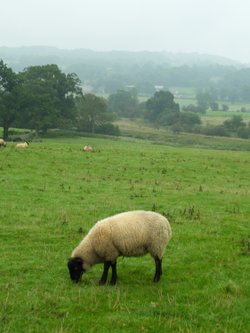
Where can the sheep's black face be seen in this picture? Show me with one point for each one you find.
(75, 269)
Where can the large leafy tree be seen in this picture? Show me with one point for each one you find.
(92, 113)
(49, 97)
(124, 103)
(161, 108)
(9, 93)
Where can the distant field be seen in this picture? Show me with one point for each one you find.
(52, 193)
(218, 117)
(185, 101)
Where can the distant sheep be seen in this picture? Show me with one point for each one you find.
(22, 145)
(87, 148)
(128, 234)
(2, 143)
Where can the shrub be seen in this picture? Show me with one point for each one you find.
(109, 129)
(218, 130)
(243, 132)
(189, 118)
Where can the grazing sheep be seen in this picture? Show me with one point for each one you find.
(128, 234)
(22, 145)
(2, 143)
(87, 148)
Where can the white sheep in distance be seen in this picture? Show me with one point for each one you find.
(2, 143)
(87, 148)
(22, 145)
(128, 234)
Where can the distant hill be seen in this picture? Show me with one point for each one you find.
(20, 57)
(107, 72)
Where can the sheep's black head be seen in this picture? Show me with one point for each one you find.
(75, 266)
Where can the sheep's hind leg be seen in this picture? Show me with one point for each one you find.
(104, 277)
(158, 269)
(114, 274)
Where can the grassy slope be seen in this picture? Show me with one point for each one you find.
(140, 129)
(53, 192)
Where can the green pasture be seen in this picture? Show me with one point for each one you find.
(53, 192)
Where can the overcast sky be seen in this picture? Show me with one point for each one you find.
(219, 27)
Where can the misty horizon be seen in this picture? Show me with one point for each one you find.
(176, 26)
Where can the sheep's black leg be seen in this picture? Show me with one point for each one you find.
(114, 274)
(158, 269)
(104, 277)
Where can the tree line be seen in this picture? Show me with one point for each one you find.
(108, 72)
(162, 110)
(228, 83)
(43, 97)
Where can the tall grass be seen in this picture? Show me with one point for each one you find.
(53, 192)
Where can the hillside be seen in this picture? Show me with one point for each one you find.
(107, 72)
(21, 57)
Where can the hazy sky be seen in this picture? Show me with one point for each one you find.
(220, 27)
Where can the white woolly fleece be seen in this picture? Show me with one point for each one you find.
(133, 233)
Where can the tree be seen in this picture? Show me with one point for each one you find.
(193, 108)
(92, 113)
(243, 132)
(49, 97)
(225, 107)
(161, 108)
(189, 118)
(214, 106)
(234, 123)
(9, 91)
(124, 103)
(203, 100)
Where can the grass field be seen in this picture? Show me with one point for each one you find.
(52, 193)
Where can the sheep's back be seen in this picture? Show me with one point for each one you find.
(139, 232)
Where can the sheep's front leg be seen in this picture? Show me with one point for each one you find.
(114, 274)
(104, 277)
(158, 269)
